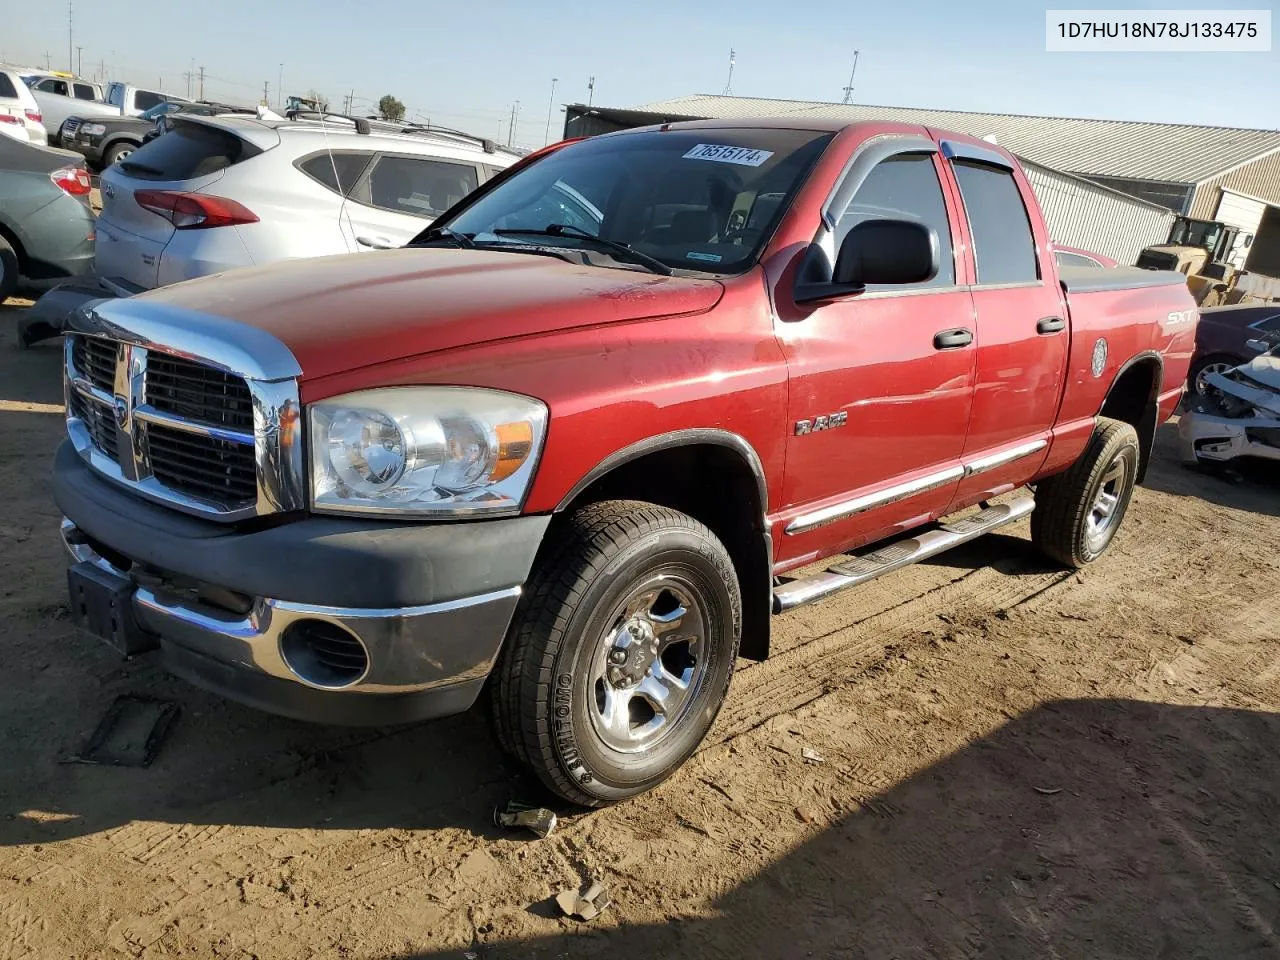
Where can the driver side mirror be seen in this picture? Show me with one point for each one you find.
(875, 252)
(1258, 346)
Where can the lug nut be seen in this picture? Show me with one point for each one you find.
(618, 656)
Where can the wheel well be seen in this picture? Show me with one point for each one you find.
(715, 485)
(17, 248)
(1133, 400)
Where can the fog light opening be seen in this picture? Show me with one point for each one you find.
(323, 654)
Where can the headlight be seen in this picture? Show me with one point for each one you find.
(93, 129)
(446, 451)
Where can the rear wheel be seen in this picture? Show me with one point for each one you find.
(1215, 363)
(8, 270)
(1079, 511)
(621, 654)
(117, 153)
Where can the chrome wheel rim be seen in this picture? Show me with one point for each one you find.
(1202, 384)
(122, 154)
(1105, 511)
(649, 664)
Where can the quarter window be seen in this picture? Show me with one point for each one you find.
(1002, 243)
(84, 91)
(337, 171)
(7, 89)
(1270, 324)
(145, 99)
(905, 187)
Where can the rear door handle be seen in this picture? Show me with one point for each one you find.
(1051, 325)
(950, 339)
(377, 243)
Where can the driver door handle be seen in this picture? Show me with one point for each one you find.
(951, 339)
(376, 243)
(1051, 325)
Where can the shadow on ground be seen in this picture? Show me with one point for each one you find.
(1089, 829)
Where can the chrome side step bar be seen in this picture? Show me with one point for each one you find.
(895, 556)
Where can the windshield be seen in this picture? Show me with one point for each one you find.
(699, 200)
(159, 110)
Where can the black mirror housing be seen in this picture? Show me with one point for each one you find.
(887, 251)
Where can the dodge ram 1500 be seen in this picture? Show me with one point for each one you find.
(576, 444)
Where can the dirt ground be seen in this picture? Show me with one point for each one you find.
(1019, 763)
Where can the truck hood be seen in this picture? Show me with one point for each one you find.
(340, 313)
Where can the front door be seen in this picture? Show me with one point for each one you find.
(880, 385)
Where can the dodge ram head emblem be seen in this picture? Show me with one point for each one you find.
(122, 413)
(821, 423)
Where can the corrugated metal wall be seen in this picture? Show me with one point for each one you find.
(1092, 217)
(1259, 179)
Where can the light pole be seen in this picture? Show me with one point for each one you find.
(280, 88)
(546, 136)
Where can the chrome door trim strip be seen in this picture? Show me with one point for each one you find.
(901, 491)
(869, 501)
(999, 459)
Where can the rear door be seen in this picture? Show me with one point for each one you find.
(132, 238)
(400, 194)
(1022, 329)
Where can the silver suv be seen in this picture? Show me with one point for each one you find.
(215, 193)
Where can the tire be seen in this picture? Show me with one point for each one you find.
(612, 583)
(8, 270)
(1072, 523)
(1213, 362)
(117, 152)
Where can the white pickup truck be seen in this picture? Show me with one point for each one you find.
(63, 100)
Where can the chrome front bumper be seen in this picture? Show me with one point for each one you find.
(403, 646)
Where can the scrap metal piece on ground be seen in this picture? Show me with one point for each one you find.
(538, 819)
(584, 904)
(131, 731)
(812, 756)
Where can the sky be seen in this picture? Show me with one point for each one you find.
(467, 64)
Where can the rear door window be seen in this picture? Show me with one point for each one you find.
(84, 92)
(1003, 246)
(187, 152)
(417, 185)
(145, 99)
(53, 85)
(338, 171)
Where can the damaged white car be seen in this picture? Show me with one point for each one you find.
(1239, 415)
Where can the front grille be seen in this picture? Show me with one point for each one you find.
(179, 400)
(222, 471)
(70, 126)
(196, 392)
(99, 420)
(95, 359)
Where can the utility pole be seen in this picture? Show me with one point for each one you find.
(79, 61)
(848, 91)
(201, 97)
(728, 84)
(71, 64)
(190, 75)
(591, 89)
(102, 71)
(511, 130)
(265, 87)
(48, 63)
(551, 103)
(280, 88)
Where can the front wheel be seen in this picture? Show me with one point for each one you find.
(117, 153)
(1079, 511)
(621, 653)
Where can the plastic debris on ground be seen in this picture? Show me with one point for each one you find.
(584, 904)
(540, 820)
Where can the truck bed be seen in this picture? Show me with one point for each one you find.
(1093, 280)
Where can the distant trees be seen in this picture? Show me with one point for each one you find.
(389, 108)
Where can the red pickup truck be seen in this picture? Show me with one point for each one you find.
(580, 441)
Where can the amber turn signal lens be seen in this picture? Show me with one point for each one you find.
(515, 442)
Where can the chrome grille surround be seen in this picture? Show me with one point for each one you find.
(260, 462)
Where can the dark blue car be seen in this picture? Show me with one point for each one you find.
(1223, 335)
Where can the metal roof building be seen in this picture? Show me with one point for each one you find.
(1207, 172)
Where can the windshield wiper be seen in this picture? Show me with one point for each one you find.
(445, 233)
(613, 246)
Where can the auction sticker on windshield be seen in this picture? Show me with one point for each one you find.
(744, 156)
